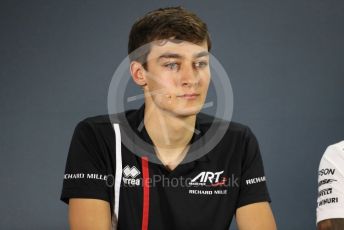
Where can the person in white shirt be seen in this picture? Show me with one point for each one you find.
(330, 205)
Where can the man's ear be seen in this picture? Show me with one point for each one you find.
(138, 74)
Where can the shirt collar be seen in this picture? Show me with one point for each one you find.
(136, 121)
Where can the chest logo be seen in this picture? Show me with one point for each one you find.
(129, 175)
(209, 183)
(208, 178)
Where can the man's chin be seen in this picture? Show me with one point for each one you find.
(187, 111)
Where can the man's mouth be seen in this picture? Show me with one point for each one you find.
(189, 95)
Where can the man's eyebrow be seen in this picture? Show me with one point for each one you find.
(175, 55)
(169, 55)
(201, 54)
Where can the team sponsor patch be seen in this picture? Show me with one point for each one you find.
(327, 201)
(94, 176)
(211, 183)
(325, 192)
(326, 171)
(255, 180)
(208, 178)
(326, 181)
(130, 174)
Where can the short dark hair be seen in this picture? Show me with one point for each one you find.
(164, 23)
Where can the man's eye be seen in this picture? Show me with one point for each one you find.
(172, 66)
(201, 64)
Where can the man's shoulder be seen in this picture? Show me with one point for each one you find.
(338, 146)
(237, 127)
(106, 119)
(335, 151)
(93, 125)
(209, 119)
(231, 128)
(97, 119)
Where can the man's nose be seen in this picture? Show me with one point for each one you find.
(189, 75)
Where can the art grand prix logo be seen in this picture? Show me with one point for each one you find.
(208, 178)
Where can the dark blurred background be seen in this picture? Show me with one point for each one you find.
(57, 58)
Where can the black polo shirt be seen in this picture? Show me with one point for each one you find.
(143, 194)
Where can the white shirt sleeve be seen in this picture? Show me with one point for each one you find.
(331, 183)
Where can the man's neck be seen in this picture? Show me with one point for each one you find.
(169, 133)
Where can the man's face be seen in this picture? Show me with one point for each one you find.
(178, 76)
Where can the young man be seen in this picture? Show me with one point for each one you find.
(174, 74)
(330, 210)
